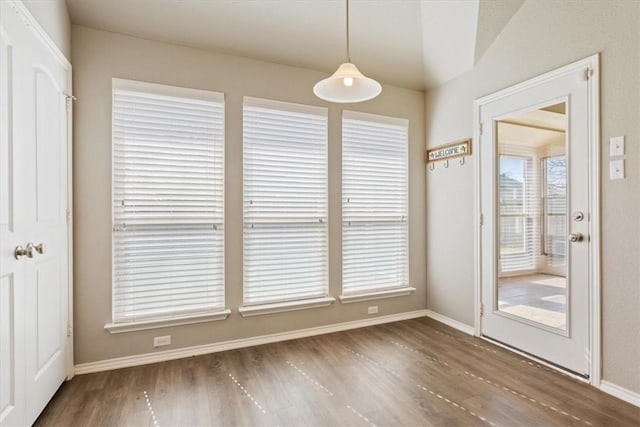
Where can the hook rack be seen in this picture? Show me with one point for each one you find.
(444, 153)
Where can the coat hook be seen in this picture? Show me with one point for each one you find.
(461, 160)
(446, 163)
(432, 166)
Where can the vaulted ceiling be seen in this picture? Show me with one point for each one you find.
(408, 43)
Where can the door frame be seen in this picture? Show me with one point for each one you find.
(590, 67)
(50, 45)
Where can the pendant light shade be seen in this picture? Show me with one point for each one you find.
(347, 84)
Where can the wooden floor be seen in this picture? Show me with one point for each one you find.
(415, 372)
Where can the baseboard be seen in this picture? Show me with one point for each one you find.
(451, 322)
(179, 353)
(620, 392)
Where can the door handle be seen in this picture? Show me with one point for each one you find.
(19, 252)
(576, 237)
(32, 249)
(40, 248)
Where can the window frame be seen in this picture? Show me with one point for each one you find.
(176, 318)
(377, 292)
(253, 308)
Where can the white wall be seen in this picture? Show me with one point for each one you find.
(53, 16)
(97, 57)
(543, 35)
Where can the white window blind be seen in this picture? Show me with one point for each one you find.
(168, 201)
(285, 201)
(519, 210)
(375, 252)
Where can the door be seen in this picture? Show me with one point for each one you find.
(33, 220)
(535, 200)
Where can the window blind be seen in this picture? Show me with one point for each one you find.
(519, 211)
(168, 201)
(375, 252)
(285, 201)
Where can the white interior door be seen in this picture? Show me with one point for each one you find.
(535, 199)
(33, 186)
(12, 289)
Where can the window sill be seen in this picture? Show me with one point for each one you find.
(346, 299)
(117, 328)
(257, 310)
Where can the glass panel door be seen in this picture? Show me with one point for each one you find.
(532, 217)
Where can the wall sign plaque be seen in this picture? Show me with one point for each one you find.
(449, 151)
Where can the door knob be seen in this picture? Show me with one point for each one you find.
(576, 237)
(32, 249)
(19, 252)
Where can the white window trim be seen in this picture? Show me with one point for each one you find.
(279, 307)
(247, 309)
(178, 319)
(143, 325)
(166, 90)
(389, 293)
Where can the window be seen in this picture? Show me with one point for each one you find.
(285, 202)
(518, 213)
(374, 206)
(554, 189)
(168, 202)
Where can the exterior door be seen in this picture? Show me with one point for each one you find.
(535, 199)
(34, 273)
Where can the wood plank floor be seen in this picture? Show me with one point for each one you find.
(415, 372)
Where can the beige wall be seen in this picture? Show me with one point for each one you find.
(97, 57)
(53, 16)
(543, 35)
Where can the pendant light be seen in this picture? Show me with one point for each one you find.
(347, 84)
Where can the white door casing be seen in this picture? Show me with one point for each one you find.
(34, 191)
(578, 350)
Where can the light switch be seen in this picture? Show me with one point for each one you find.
(616, 146)
(616, 169)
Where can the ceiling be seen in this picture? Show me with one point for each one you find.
(408, 43)
(536, 128)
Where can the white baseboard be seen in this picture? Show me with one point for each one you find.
(620, 392)
(179, 353)
(451, 322)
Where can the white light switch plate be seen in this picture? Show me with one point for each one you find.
(616, 146)
(616, 169)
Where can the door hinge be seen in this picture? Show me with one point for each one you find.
(481, 220)
(68, 99)
(68, 213)
(480, 128)
(69, 329)
(481, 309)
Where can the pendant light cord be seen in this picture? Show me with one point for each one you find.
(348, 53)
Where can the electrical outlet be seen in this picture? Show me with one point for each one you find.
(372, 310)
(162, 341)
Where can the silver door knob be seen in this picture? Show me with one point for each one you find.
(576, 237)
(19, 252)
(32, 249)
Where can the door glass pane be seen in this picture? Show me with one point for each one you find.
(532, 216)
